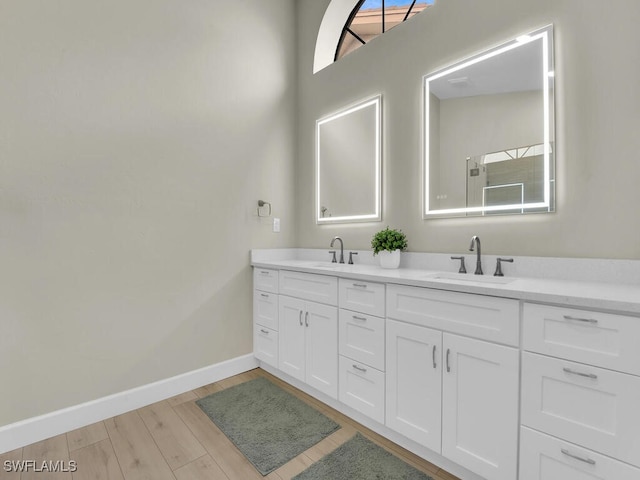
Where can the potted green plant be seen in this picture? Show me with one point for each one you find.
(388, 244)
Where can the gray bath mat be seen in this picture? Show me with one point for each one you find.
(267, 424)
(361, 459)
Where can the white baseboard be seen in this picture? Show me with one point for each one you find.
(35, 429)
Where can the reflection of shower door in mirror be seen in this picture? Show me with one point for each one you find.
(510, 177)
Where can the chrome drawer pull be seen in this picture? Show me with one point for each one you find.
(433, 355)
(360, 285)
(578, 319)
(355, 317)
(573, 372)
(585, 460)
(264, 295)
(448, 366)
(306, 318)
(300, 318)
(265, 272)
(363, 370)
(266, 332)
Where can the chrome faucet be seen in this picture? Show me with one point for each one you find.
(341, 248)
(476, 240)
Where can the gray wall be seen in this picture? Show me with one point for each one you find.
(597, 117)
(135, 140)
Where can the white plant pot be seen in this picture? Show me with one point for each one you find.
(389, 259)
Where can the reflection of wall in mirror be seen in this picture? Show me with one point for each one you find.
(347, 164)
(472, 126)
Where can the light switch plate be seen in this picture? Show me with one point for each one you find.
(276, 225)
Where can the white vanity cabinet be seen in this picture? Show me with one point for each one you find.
(308, 330)
(580, 393)
(508, 389)
(454, 394)
(361, 346)
(265, 315)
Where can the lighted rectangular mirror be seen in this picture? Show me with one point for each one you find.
(489, 132)
(348, 163)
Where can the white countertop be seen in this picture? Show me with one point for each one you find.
(622, 298)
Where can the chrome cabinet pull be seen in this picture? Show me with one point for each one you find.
(264, 272)
(266, 332)
(355, 317)
(573, 372)
(577, 457)
(359, 368)
(300, 318)
(433, 355)
(306, 318)
(264, 295)
(578, 319)
(448, 366)
(360, 285)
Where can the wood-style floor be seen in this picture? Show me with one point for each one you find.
(175, 440)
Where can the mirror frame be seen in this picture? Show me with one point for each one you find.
(376, 214)
(548, 72)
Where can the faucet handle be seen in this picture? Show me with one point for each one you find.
(498, 272)
(351, 254)
(462, 267)
(333, 260)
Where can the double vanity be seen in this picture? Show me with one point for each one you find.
(492, 378)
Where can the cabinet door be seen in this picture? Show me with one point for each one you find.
(265, 279)
(291, 336)
(543, 457)
(413, 387)
(362, 388)
(321, 325)
(361, 337)
(265, 345)
(265, 309)
(594, 407)
(309, 286)
(600, 339)
(480, 406)
(360, 296)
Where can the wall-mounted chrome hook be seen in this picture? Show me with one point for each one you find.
(262, 203)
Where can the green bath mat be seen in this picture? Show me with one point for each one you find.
(267, 424)
(361, 459)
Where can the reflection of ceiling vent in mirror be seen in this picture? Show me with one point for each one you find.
(459, 82)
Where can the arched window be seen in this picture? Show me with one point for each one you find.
(371, 18)
(349, 24)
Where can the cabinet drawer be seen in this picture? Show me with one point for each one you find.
(600, 339)
(265, 279)
(265, 345)
(361, 387)
(546, 458)
(365, 297)
(309, 286)
(361, 337)
(265, 309)
(487, 318)
(590, 406)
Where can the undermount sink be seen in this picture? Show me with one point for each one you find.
(326, 265)
(462, 277)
